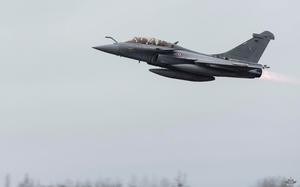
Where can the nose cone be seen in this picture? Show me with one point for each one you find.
(112, 49)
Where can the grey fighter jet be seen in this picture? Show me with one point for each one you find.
(177, 62)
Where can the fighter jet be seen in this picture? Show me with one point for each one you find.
(181, 63)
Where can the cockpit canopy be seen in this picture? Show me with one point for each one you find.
(149, 41)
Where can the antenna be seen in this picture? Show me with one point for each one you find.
(175, 43)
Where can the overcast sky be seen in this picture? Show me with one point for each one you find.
(69, 111)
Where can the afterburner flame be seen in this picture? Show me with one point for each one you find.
(277, 77)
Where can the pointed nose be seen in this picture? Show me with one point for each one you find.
(112, 49)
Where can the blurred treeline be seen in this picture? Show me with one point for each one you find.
(179, 181)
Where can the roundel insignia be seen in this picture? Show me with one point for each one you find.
(178, 54)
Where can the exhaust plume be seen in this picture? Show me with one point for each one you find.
(277, 77)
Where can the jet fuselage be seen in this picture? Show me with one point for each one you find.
(179, 62)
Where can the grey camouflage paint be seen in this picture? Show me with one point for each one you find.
(184, 64)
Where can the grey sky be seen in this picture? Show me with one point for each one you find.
(69, 111)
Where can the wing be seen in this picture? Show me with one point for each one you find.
(170, 59)
(208, 61)
(221, 63)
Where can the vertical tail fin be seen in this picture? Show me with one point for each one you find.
(251, 50)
